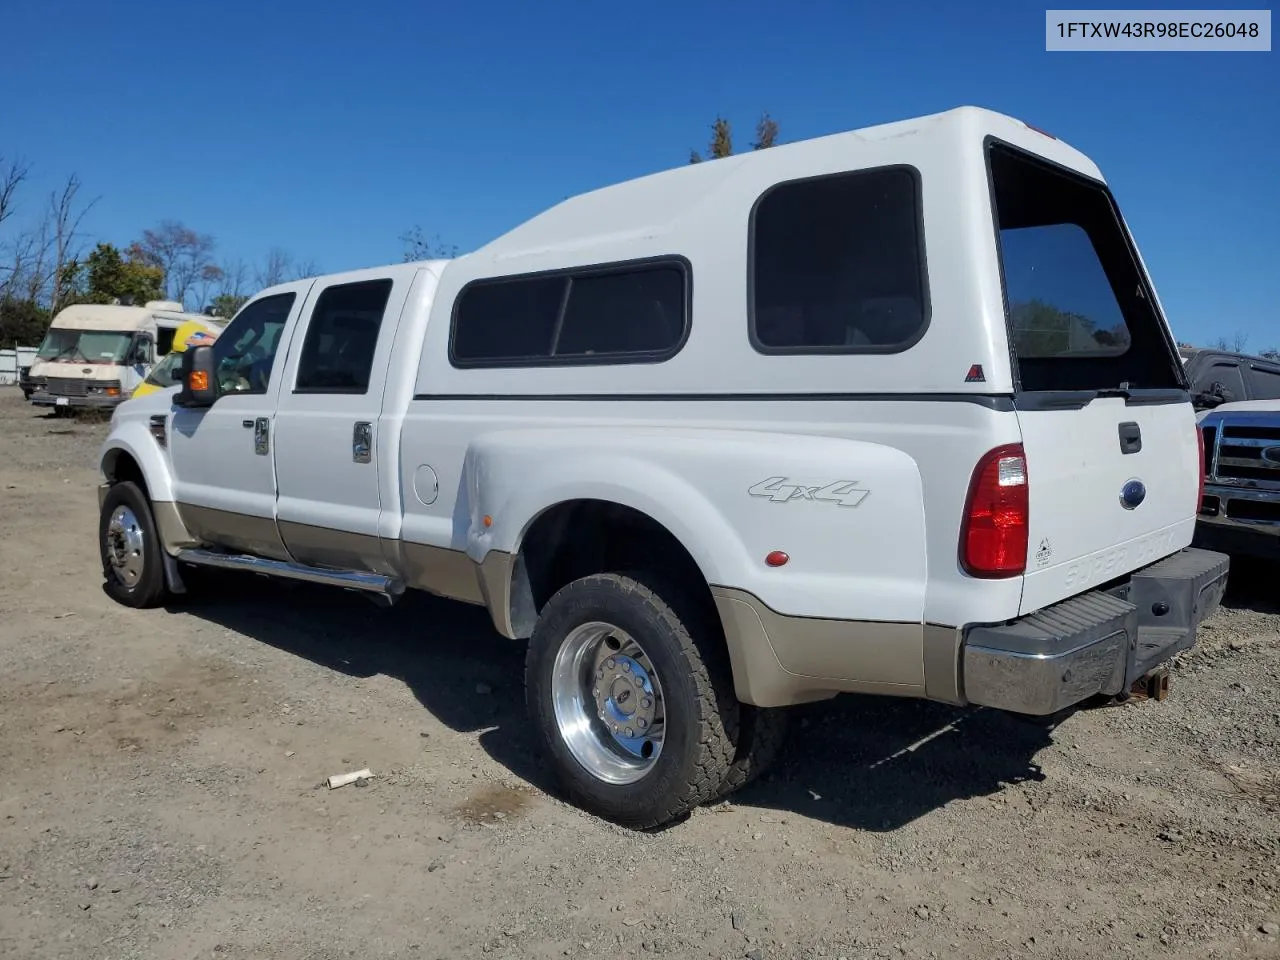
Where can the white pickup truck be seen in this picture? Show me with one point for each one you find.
(894, 411)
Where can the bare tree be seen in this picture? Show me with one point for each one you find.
(235, 278)
(307, 268)
(66, 226)
(180, 252)
(1239, 340)
(418, 247)
(210, 279)
(12, 175)
(275, 269)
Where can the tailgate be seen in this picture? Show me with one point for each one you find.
(1113, 470)
(1113, 487)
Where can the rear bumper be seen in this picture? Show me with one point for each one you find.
(1099, 642)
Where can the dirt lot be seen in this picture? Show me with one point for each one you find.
(161, 797)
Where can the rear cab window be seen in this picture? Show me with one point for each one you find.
(1080, 311)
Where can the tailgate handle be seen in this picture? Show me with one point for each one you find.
(1130, 437)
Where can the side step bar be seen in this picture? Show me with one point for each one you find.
(379, 588)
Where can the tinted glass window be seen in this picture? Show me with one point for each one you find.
(1264, 383)
(244, 353)
(837, 265)
(1226, 379)
(598, 315)
(623, 313)
(342, 335)
(508, 320)
(1079, 314)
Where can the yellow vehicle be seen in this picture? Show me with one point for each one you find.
(164, 373)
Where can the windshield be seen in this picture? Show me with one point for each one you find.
(164, 373)
(84, 346)
(1081, 316)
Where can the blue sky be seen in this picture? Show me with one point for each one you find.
(330, 128)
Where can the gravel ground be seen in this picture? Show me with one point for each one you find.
(161, 790)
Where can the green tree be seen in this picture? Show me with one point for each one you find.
(227, 304)
(721, 144)
(22, 322)
(1043, 330)
(111, 277)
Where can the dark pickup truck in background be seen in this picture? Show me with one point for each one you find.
(1238, 399)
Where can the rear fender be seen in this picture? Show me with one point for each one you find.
(849, 514)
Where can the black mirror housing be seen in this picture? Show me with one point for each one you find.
(199, 385)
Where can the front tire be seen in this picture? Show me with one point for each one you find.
(132, 564)
(632, 698)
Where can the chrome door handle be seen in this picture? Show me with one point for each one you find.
(362, 442)
(261, 443)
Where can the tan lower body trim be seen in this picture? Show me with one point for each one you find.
(444, 572)
(173, 533)
(942, 679)
(780, 660)
(235, 531)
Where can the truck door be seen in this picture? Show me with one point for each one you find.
(327, 423)
(224, 481)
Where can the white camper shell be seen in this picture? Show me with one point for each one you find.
(894, 411)
(95, 355)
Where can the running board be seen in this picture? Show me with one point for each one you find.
(379, 588)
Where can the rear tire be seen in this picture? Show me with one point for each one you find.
(632, 698)
(761, 734)
(132, 564)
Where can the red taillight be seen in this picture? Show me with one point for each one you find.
(1200, 449)
(993, 537)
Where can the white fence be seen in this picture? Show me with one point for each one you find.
(11, 360)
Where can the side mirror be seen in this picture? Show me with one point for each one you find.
(199, 385)
(142, 352)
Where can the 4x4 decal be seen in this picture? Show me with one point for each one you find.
(845, 493)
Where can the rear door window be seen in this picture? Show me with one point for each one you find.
(337, 353)
(1264, 383)
(1080, 311)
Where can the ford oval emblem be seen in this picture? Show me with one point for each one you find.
(1271, 454)
(1134, 492)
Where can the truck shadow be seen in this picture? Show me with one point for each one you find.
(872, 763)
(1251, 585)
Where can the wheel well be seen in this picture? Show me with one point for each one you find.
(581, 537)
(120, 467)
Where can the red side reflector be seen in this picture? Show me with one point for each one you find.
(777, 558)
(993, 534)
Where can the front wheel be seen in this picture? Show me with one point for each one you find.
(632, 698)
(132, 564)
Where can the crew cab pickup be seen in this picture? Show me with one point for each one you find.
(894, 411)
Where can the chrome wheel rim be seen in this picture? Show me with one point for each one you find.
(124, 546)
(608, 703)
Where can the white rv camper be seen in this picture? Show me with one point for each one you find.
(94, 355)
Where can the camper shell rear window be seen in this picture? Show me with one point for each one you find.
(1080, 311)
